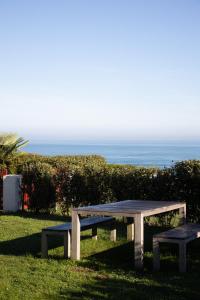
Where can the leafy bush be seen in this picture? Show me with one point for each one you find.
(85, 185)
(128, 182)
(88, 185)
(187, 186)
(39, 171)
(10, 143)
(56, 161)
(1, 190)
(88, 180)
(38, 185)
(3, 171)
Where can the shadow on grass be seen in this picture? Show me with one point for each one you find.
(116, 279)
(38, 216)
(122, 258)
(31, 245)
(28, 245)
(103, 287)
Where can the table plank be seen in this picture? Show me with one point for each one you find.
(130, 207)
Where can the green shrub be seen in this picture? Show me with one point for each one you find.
(129, 182)
(187, 186)
(82, 185)
(38, 184)
(88, 180)
(56, 161)
(91, 185)
(74, 160)
(1, 190)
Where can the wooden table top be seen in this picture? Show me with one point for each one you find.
(130, 207)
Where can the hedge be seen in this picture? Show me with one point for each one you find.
(1, 189)
(56, 161)
(38, 180)
(38, 185)
(86, 180)
(3, 171)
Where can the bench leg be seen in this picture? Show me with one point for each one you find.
(44, 245)
(94, 233)
(130, 231)
(67, 244)
(113, 233)
(182, 257)
(156, 255)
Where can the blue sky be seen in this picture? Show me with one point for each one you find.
(100, 70)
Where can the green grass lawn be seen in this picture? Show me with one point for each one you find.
(106, 269)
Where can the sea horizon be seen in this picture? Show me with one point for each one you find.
(140, 153)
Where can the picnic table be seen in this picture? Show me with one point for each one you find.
(134, 209)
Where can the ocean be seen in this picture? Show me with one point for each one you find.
(158, 154)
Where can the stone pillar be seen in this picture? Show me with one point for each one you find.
(12, 197)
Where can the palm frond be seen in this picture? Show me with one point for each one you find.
(10, 143)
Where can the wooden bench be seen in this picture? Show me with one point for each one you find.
(180, 235)
(65, 231)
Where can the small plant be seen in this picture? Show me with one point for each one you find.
(10, 143)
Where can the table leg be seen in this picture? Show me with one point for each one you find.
(182, 214)
(139, 241)
(75, 236)
(130, 229)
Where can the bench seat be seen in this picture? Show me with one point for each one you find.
(183, 232)
(65, 231)
(85, 224)
(180, 235)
